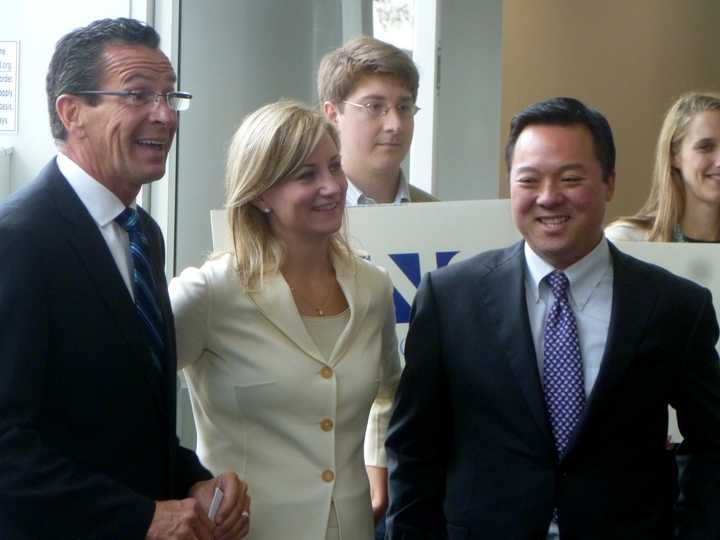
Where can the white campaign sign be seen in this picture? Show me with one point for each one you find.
(8, 85)
(410, 240)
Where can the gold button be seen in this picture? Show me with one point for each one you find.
(326, 372)
(326, 424)
(328, 475)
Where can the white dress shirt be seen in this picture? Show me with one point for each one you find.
(590, 296)
(355, 197)
(104, 207)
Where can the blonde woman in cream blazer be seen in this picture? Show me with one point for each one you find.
(297, 415)
(269, 405)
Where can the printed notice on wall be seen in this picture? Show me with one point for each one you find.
(8, 85)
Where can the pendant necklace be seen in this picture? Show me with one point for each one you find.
(319, 310)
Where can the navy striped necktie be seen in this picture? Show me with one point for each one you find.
(144, 289)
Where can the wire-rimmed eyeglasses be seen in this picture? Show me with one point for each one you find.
(376, 109)
(177, 101)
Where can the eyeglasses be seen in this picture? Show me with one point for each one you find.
(376, 109)
(177, 101)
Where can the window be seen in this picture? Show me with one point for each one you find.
(393, 21)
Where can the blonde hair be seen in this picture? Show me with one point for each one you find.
(270, 145)
(665, 205)
(341, 69)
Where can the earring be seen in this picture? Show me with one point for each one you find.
(266, 210)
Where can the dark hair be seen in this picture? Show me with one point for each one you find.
(565, 111)
(76, 63)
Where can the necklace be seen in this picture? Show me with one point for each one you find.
(680, 236)
(318, 309)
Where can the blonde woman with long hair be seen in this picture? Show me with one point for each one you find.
(288, 341)
(684, 200)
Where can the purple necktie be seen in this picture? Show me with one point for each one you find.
(562, 365)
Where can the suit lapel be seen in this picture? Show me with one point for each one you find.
(157, 257)
(358, 299)
(631, 307)
(505, 299)
(276, 303)
(85, 239)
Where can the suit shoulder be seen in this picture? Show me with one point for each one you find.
(367, 267)
(25, 204)
(216, 269)
(477, 266)
(418, 195)
(147, 218)
(28, 212)
(28, 231)
(370, 273)
(34, 206)
(152, 228)
(658, 277)
(216, 279)
(624, 231)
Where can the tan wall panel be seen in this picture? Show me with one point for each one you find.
(628, 59)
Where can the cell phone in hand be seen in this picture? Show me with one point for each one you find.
(215, 503)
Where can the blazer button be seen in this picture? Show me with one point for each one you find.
(326, 424)
(326, 372)
(328, 475)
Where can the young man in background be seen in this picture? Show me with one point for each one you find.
(368, 90)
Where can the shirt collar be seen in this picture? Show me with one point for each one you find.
(103, 204)
(584, 275)
(355, 197)
(403, 192)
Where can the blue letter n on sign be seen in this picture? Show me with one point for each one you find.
(409, 264)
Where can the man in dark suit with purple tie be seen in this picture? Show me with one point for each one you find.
(534, 401)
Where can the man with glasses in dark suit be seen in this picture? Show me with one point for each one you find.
(87, 347)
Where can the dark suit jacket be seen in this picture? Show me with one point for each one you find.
(87, 425)
(470, 449)
(418, 195)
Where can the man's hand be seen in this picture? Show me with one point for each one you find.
(180, 520)
(378, 477)
(232, 521)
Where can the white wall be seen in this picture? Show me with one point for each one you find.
(235, 57)
(38, 24)
(468, 107)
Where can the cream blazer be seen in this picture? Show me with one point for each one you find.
(626, 232)
(270, 407)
